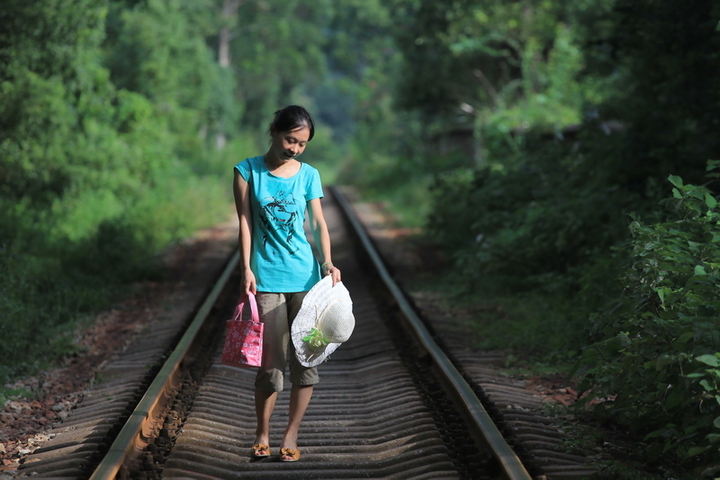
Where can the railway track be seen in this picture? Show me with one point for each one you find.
(390, 403)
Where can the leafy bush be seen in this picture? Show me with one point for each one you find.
(530, 224)
(97, 179)
(533, 240)
(654, 361)
(42, 304)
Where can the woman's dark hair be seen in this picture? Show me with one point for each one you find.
(290, 118)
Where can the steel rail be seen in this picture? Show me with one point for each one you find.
(131, 440)
(511, 465)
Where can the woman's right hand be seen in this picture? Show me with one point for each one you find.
(249, 282)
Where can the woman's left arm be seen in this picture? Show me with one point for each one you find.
(320, 232)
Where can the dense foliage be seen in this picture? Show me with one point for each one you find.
(578, 113)
(656, 355)
(93, 173)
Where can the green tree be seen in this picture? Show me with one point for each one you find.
(160, 50)
(92, 175)
(276, 50)
(663, 56)
(48, 52)
(518, 59)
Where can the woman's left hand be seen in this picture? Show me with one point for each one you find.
(334, 271)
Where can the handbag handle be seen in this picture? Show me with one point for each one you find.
(250, 298)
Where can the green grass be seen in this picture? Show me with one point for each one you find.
(8, 393)
(531, 330)
(53, 286)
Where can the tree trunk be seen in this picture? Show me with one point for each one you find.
(229, 10)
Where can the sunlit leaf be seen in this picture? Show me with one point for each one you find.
(708, 359)
(675, 180)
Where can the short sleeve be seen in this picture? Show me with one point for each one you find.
(314, 188)
(244, 169)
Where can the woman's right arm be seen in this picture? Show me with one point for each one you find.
(241, 190)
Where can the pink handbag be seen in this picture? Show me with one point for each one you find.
(244, 338)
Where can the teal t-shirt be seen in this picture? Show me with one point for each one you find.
(281, 257)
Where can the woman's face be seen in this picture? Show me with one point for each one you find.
(288, 145)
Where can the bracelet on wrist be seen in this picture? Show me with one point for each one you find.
(328, 264)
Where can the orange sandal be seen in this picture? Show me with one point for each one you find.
(260, 451)
(289, 455)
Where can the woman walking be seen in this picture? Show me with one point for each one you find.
(273, 192)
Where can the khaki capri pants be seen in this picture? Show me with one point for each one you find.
(277, 311)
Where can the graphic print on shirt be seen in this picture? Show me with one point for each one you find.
(278, 218)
